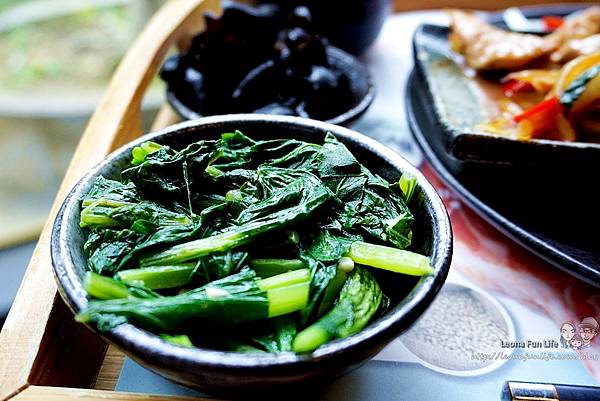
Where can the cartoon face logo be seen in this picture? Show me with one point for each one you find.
(576, 342)
(579, 336)
(567, 331)
(588, 329)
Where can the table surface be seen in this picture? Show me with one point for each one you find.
(537, 296)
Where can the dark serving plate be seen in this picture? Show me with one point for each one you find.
(552, 212)
(458, 108)
(235, 373)
(360, 79)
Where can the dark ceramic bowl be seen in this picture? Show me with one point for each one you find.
(361, 85)
(235, 373)
(352, 25)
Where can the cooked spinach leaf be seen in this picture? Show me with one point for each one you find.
(262, 241)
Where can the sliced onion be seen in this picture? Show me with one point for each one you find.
(541, 80)
(590, 98)
(573, 69)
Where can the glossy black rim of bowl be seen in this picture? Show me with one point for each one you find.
(143, 344)
(355, 70)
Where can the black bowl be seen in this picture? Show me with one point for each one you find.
(351, 25)
(361, 85)
(229, 372)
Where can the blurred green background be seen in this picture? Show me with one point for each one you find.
(56, 59)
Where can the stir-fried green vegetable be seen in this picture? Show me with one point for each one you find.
(358, 302)
(273, 237)
(237, 298)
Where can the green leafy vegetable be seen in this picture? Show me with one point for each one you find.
(396, 260)
(245, 245)
(293, 198)
(358, 302)
(107, 249)
(370, 203)
(219, 265)
(407, 183)
(233, 299)
(277, 335)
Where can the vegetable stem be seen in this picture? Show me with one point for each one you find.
(237, 298)
(89, 218)
(358, 301)
(105, 202)
(100, 213)
(159, 277)
(104, 287)
(392, 259)
(182, 340)
(285, 279)
(287, 292)
(272, 267)
(288, 299)
(139, 153)
(194, 249)
(311, 338)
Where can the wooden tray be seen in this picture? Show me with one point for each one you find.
(44, 354)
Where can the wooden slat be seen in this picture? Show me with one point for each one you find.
(68, 347)
(110, 370)
(413, 5)
(31, 335)
(38, 393)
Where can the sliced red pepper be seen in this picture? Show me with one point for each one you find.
(516, 86)
(550, 105)
(551, 22)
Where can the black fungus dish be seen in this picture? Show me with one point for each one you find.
(266, 60)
